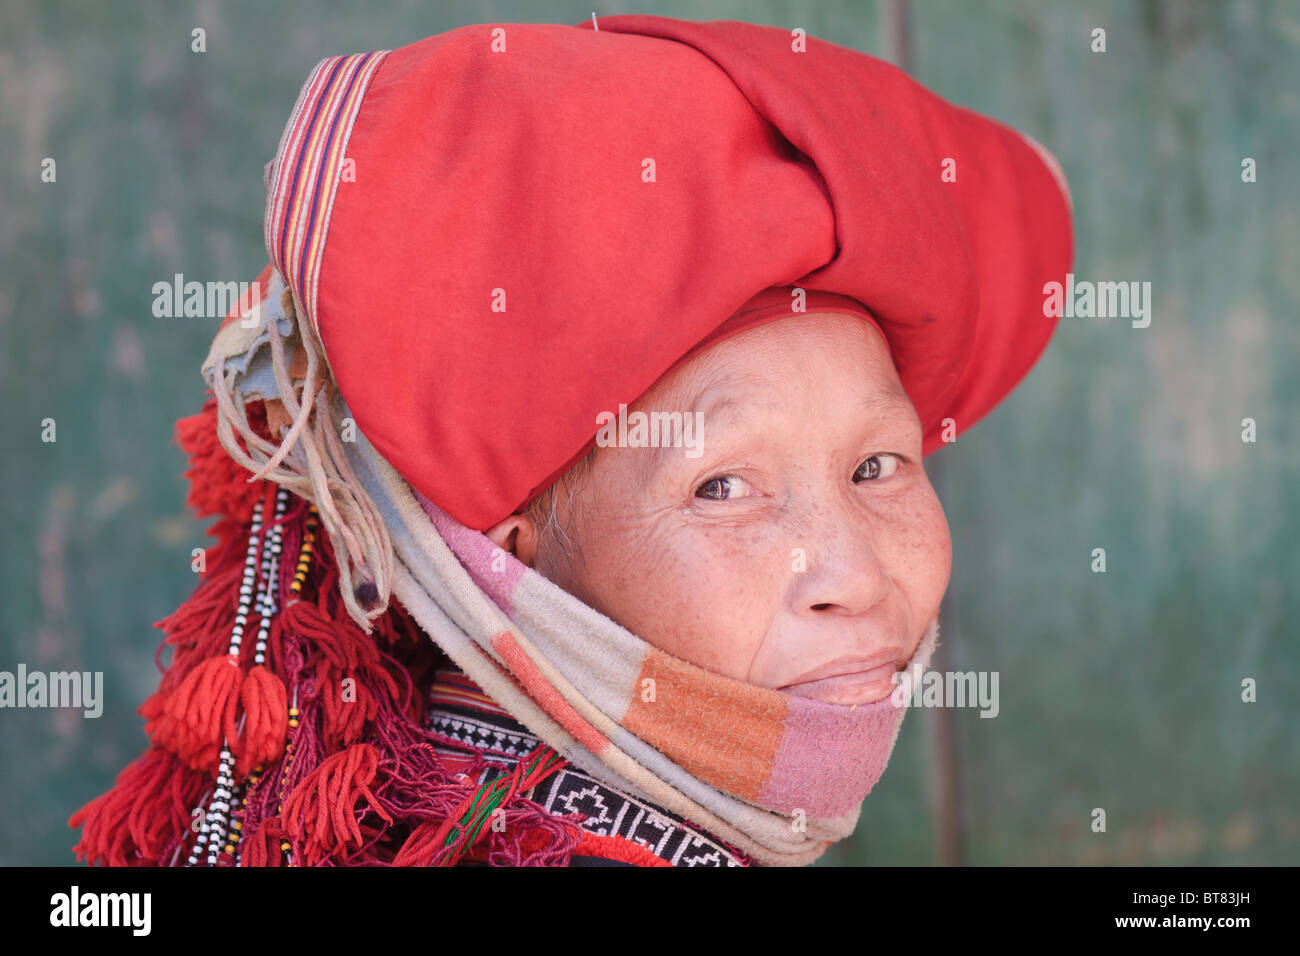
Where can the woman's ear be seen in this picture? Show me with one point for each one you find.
(518, 535)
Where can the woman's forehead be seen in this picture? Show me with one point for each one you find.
(793, 347)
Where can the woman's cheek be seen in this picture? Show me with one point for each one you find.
(702, 600)
(927, 545)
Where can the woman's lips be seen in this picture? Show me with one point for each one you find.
(860, 687)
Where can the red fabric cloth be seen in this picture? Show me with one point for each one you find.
(524, 170)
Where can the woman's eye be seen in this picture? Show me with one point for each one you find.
(717, 489)
(877, 467)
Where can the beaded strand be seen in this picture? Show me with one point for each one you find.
(254, 778)
(286, 851)
(268, 607)
(241, 618)
(305, 553)
(213, 829)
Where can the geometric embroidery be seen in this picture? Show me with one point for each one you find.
(502, 741)
(480, 735)
(611, 812)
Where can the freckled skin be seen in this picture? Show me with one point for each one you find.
(714, 581)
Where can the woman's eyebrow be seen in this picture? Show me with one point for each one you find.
(723, 407)
(891, 402)
(881, 405)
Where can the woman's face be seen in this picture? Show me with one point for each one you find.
(804, 542)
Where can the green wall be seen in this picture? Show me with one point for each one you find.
(1119, 690)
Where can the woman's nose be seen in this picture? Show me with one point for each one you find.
(841, 569)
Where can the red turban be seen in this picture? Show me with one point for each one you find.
(503, 230)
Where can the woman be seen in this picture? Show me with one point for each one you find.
(588, 521)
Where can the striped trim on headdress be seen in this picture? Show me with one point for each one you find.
(308, 168)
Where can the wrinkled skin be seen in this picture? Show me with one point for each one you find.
(819, 450)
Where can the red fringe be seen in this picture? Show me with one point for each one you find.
(219, 485)
(321, 810)
(266, 722)
(194, 720)
(263, 846)
(360, 783)
(134, 823)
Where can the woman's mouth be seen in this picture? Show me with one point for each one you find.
(859, 687)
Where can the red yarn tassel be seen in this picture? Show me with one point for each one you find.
(341, 651)
(340, 640)
(266, 720)
(199, 714)
(344, 719)
(421, 846)
(262, 846)
(218, 484)
(202, 624)
(321, 813)
(134, 822)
